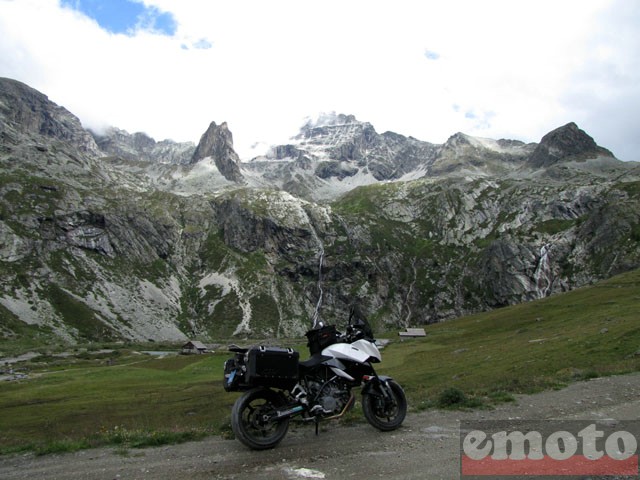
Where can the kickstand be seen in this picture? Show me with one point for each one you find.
(317, 423)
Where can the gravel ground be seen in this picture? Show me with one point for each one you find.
(426, 447)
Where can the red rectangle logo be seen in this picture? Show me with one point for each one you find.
(576, 465)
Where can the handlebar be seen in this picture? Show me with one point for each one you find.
(352, 334)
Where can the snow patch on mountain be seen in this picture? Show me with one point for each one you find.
(200, 178)
(333, 187)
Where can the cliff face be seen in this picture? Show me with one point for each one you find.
(31, 112)
(460, 247)
(107, 242)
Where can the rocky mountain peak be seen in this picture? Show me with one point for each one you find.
(466, 155)
(31, 112)
(565, 143)
(457, 140)
(330, 119)
(217, 143)
(335, 128)
(140, 146)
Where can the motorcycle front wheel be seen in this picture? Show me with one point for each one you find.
(385, 412)
(250, 419)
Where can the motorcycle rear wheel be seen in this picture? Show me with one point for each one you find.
(249, 423)
(385, 413)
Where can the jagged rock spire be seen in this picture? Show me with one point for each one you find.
(217, 143)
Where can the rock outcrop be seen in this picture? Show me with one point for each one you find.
(31, 112)
(564, 144)
(217, 143)
(467, 155)
(140, 147)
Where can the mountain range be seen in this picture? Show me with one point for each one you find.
(116, 236)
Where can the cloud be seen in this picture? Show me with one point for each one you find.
(431, 55)
(513, 69)
(604, 89)
(202, 44)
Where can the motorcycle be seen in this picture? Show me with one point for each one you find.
(277, 386)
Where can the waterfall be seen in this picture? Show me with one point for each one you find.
(407, 299)
(316, 313)
(543, 276)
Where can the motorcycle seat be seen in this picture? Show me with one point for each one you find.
(313, 361)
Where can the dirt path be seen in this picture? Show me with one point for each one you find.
(426, 447)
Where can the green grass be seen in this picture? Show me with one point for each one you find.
(554, 226)
(471, 362)
(138, 401)
(582, 334)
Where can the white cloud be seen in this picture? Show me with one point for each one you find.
(426, 69)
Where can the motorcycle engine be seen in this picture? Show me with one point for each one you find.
(330, 399)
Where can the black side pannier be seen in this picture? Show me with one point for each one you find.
(272, 367)
(320, 338)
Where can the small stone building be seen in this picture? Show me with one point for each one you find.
(194, 347)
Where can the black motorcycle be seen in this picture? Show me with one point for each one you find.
(277, 386)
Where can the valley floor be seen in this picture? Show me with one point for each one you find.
(426, 447)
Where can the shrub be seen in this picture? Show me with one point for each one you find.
(451, 397)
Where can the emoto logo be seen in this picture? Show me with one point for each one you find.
(544, 448)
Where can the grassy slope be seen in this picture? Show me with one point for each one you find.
(543, 344)
(101, 404)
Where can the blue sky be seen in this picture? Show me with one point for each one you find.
(428, 69)
(124, 16)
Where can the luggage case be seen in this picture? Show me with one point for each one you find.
(272, 367)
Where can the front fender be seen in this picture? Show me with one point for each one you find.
(374, 382)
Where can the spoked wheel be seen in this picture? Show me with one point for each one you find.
(385, 410)
(250, 419)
